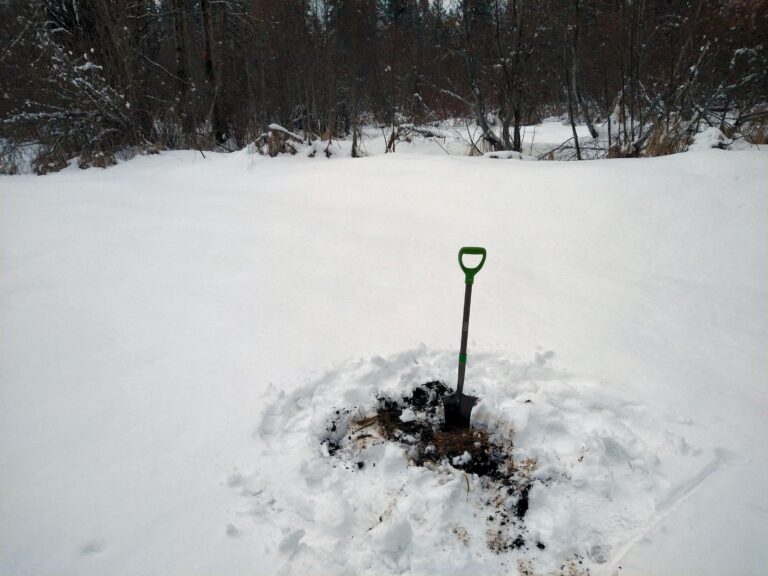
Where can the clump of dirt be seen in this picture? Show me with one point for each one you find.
(522, 501)
(335, 430)
(415, 421)
(428, 397)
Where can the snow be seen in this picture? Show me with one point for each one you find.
(408, 415)
(549, 134)
(463, 459)
(710, 137)
(87, 67)
(278, 128)
(454, 137)
(607, 470)
(177, 331)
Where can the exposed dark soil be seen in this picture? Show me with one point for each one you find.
(473, 451)
(522, 501)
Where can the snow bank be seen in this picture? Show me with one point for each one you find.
(602, 468)
(174, 332)
(710, 137)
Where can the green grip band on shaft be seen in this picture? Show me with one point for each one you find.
(463, 358)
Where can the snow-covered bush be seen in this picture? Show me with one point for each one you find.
(76, 112)
(276, 141)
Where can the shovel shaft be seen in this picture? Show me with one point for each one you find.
(464, 335)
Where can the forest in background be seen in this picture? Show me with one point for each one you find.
(95, 79)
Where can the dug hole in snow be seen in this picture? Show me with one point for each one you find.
(594, 469)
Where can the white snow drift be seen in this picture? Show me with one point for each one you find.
(176, 330)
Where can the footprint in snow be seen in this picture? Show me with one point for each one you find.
(291, 544)
(92, 548)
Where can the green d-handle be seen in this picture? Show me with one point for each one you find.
(469, 273)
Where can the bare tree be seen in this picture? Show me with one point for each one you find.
(92, 78)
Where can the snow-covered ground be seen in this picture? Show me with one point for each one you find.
(456, 137)
(176, 333)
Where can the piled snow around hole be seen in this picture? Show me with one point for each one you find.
(602, 472)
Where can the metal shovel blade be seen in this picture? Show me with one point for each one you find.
(458, 410)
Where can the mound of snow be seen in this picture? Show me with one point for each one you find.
(602, 472)
(508, 155)
(710, 137)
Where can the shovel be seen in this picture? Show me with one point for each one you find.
(458, 406)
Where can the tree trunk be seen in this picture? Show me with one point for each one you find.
(623, 123)
(506, 86)
(570, 96)
(632, 40)
(477, 96)
(517, 17)
(219, 131)
(505, 139)
(182, 74)
(607, 103)
(355, 152)
(576, 73)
